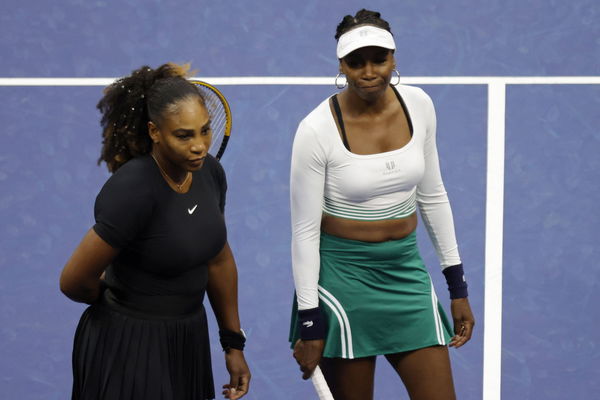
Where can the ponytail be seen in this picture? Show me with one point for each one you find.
(130, 102)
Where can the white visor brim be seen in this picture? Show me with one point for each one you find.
(364, 36)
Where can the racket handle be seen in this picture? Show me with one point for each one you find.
(320, 385)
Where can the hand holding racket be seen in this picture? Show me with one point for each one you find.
(220, 115)
(320, 385)
(308, 354)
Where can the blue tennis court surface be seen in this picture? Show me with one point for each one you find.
(50, 143)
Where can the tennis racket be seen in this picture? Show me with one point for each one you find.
(220, 116)
(320, 385)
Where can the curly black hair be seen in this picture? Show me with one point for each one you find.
(130, 102)
(362, 17)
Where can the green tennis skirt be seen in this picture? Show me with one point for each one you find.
(377, 298)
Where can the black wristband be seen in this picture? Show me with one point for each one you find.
(232, 340)
(311, 324)
(457, 284)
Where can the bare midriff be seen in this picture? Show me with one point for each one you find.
(369, 231)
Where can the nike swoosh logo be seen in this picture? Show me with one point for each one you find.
(191, 210)
(308, 324)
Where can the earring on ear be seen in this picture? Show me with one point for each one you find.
(398, 75)
(338, 76)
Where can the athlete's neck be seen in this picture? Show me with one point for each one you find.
(355, 105)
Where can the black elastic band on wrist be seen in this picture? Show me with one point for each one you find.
(457, 284)
(232, 340)
(311, 324)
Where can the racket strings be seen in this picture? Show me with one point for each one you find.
(220, 118)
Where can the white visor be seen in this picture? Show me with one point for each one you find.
(363, 36)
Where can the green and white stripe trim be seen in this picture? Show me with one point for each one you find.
(352, 211)
(345, 330)
(439, 327)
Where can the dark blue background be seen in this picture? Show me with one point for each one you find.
(50, 142)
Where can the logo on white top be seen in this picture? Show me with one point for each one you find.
(391, 168)
(308, 324)
(191, 210)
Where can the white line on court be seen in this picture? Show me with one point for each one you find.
(316, 80)
(494, 216)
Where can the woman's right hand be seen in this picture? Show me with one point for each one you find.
(239, 375)
(308, 354)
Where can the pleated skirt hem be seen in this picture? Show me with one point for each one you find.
(120, 357)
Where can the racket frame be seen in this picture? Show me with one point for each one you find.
(228, 118)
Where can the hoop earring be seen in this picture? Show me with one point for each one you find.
(337, 85)
(398, 75)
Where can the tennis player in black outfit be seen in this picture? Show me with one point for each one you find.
(158, 244)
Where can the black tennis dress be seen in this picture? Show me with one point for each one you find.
(147, 336)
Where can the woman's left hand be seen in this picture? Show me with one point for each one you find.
(463, 322)
(239, 375)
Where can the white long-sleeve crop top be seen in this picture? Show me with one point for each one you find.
(328, 178)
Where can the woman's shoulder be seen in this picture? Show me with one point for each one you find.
(136, 174)
(129, 191)
(319, 115)
(213, 167)
(136, 166)
(318, 124)
(412, 92)
(417, 100)
(212, 164)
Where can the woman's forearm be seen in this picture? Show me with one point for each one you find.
(81, 277)
(82, 292)
(222, 290)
